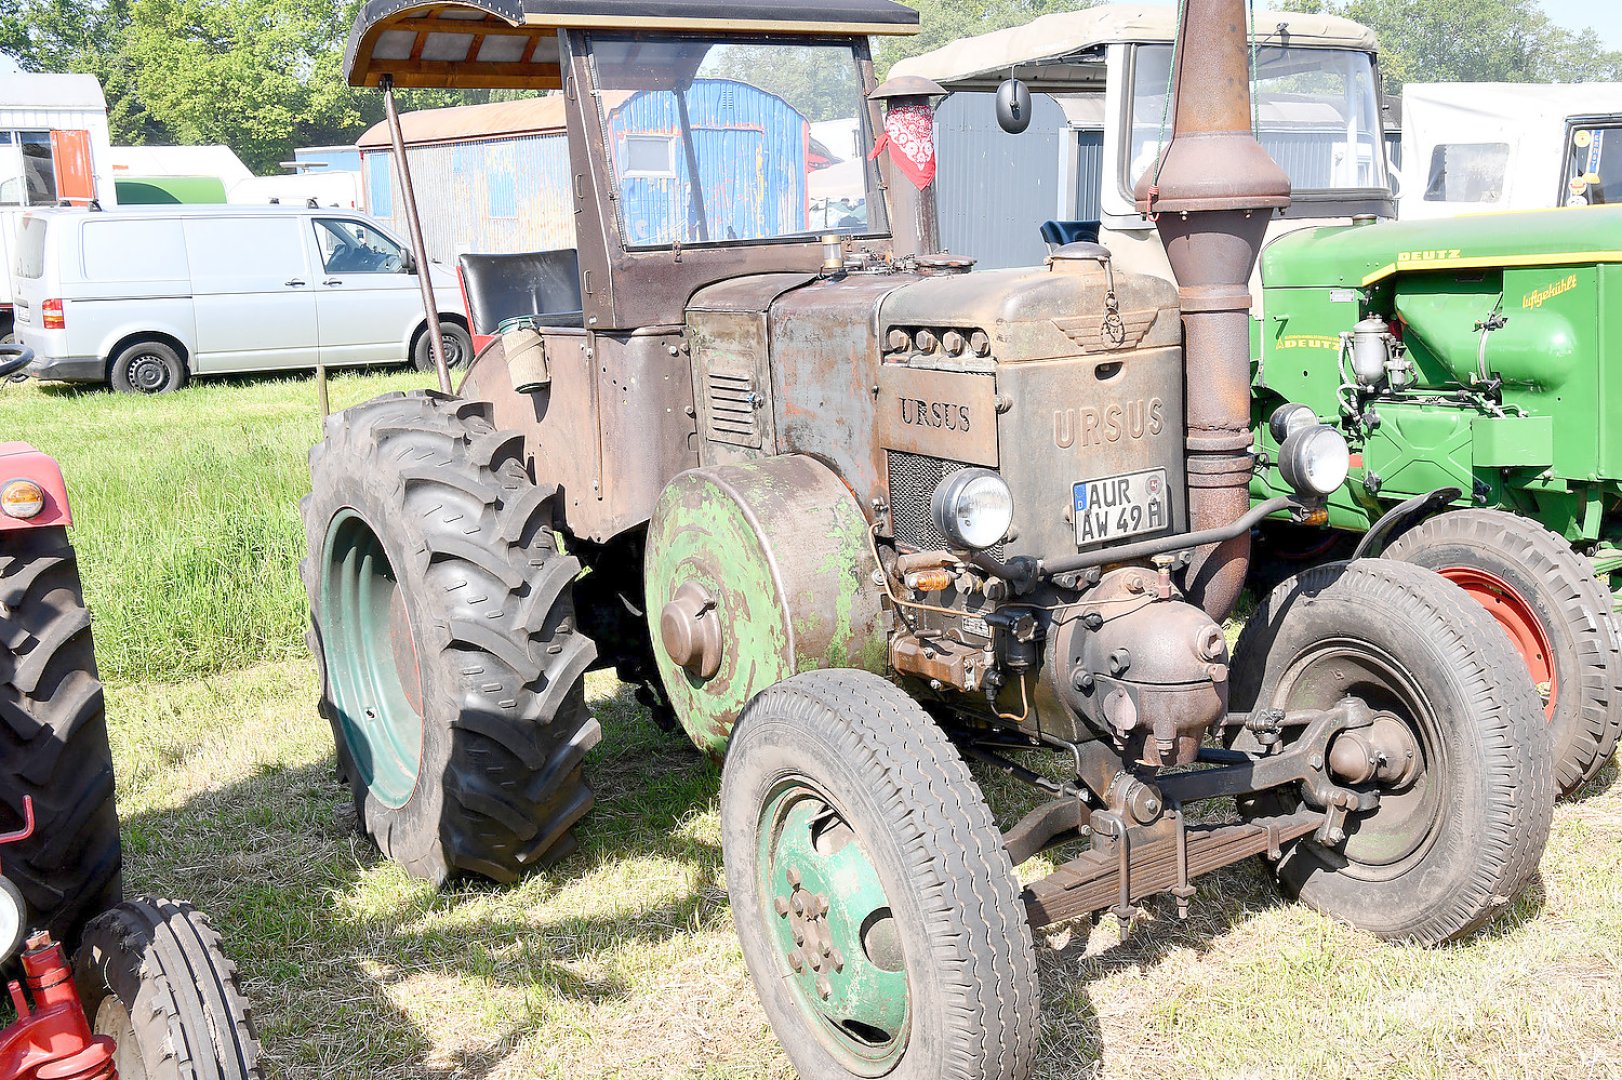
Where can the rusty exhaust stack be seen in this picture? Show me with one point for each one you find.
(1212, 194)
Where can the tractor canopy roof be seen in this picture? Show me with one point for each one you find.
(1043, 49)
(1358, 255)
(495, 44)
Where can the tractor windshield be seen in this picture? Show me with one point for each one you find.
(1318, 115)
(716, 142)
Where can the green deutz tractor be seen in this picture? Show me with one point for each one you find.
(1473, 354)
(854, 516)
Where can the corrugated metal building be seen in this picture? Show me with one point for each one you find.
(494, 179)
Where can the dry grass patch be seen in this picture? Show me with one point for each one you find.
(621, 962)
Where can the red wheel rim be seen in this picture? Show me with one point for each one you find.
(1516, 616)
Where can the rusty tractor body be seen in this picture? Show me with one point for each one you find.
(851, 513)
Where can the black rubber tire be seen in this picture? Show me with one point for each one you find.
(489, 596)
(53, 738)
(458, 348)
(151, 974)
(149, 367)
(1493, 817)
(922, 821)
(1570, 604)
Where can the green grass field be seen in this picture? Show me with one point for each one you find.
(621, 962)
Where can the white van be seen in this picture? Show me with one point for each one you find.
(145, 299)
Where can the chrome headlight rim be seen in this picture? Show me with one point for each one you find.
(1315, 461)
(947, 509)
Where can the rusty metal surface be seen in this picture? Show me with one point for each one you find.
(729, 334)
(941, 659)
(612, 428)
(825, 345)
(1092, 881)
(779, 548)
(1213, 191)
(1142, 665)
(942, 414)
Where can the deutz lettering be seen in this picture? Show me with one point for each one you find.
(935, 414)
(1111, 424)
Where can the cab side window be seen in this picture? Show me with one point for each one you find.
(1593, 174)
(350, 247)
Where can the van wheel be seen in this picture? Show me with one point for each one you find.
(149, 367)
(458, 348)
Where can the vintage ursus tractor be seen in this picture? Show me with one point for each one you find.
(155, 997)
(1469, 354)
(854, 514)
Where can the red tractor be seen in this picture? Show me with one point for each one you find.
(148, 993)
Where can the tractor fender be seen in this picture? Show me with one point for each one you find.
(1402, 518)
(19, 461)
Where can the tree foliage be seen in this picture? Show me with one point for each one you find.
(1474, 41)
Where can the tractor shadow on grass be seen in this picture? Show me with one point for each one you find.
(358, 971)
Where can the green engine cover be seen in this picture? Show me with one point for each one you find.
(1540, 435)
(755, 573)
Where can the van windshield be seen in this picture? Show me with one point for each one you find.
(31, 248)
(1318, 113)
(716, 142)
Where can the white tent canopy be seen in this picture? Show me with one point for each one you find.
(1036, 51)
(1471, 147)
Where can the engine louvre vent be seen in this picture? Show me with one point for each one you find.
(913, 480)
(733, 407)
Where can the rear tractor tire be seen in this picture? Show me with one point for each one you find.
(1458, 834)
(874, 899)
(443, 621)
(53, 738)
(152, 976)
(1556, 613)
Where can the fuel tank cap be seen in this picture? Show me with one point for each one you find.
(944, 265)
(1071, 257)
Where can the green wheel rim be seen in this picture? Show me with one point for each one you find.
(837, 942)
(372, 673)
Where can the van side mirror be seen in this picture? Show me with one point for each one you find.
(1013, 106)
(408, 263)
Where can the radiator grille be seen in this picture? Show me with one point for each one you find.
(733, 411)
(913, 480)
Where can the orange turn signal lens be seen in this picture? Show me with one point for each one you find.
(22, 499)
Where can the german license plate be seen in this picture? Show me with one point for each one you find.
(1120, 506)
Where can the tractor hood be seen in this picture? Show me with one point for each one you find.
(1359, 255)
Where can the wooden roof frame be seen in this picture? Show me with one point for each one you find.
(442, 44)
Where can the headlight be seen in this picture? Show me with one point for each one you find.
(1315, 460)
(22, 499)
(13, 919)
(1288, 419)
(973, 509)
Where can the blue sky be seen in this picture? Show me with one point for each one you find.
(1604, 16)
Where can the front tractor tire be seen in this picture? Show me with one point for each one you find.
(443, 621)
(1556, 613)
(53, 738)
(874, 899)
(1459, 834)
(151, 974)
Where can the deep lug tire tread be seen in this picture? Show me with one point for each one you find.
(1590, 722)
(980, 940)
(53, 738)
(474, 549)
(1510, 752)
(163, 961)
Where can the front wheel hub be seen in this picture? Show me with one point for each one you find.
(1384, 753)
(835, 931)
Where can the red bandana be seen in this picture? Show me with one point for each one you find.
(909, 132)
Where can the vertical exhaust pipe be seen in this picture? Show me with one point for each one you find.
(1211, 194)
